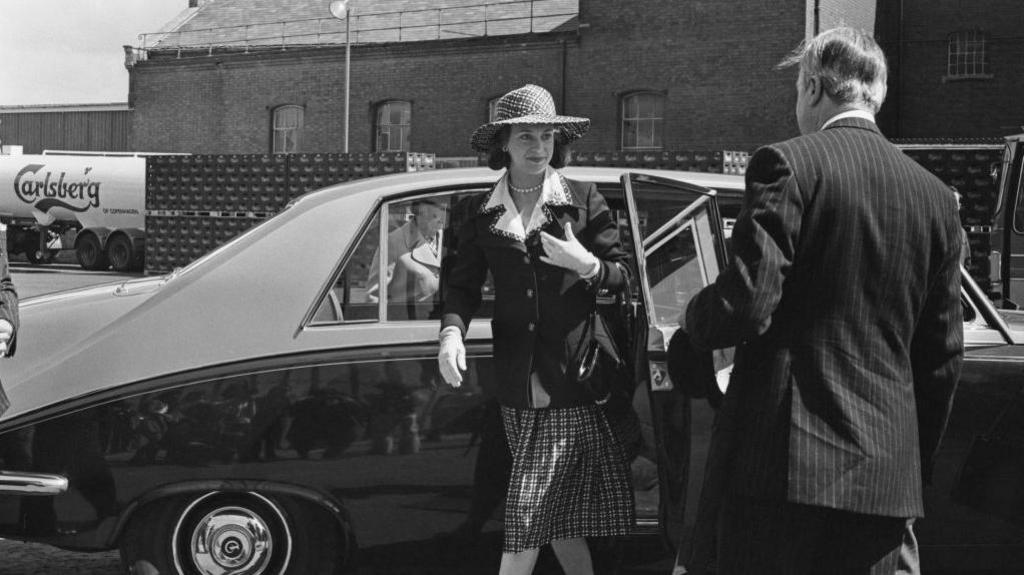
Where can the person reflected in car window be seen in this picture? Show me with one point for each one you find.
(551, 245)
(414, 256)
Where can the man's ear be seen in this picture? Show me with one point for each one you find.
(815, 90)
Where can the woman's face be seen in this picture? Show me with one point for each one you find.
(530, 148)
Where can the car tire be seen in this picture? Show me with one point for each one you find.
(90, 253)
(231, 534)
(120, 254)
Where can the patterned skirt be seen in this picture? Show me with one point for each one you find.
(569, 477)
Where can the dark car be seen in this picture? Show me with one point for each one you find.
(262, 410)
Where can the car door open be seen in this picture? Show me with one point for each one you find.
(679, 247)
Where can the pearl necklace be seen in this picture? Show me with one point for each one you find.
(526, 190)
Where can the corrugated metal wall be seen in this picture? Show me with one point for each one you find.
(79, 130)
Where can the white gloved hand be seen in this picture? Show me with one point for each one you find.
(451, 357)
(6, 333)
(568, 253)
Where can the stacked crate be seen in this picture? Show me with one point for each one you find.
(195, 203)
(716, 161)
(966, 165)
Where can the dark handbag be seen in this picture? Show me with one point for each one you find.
(596, 360)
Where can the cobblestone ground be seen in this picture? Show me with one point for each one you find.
(17, 558)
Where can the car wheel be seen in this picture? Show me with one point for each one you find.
(231, 534)
(119, 253)
(90, 253)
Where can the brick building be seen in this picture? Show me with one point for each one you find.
(958, 67)
(256, 76)
(658, 74)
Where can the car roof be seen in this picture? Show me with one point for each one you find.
(384, 186)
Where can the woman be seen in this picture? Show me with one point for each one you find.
(551, 245)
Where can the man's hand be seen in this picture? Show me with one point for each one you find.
(6, 333)
(451, 357)
(568, 253)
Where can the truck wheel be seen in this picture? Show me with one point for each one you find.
(231, 534)
(35, 257)
(119, 253)
(90, 253)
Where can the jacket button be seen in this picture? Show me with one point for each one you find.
(529, 293)
(531, 326)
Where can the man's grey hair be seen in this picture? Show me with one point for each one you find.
(850, 64)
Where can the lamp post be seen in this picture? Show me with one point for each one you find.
(340, 10)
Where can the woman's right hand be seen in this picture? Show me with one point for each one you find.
(451, 357)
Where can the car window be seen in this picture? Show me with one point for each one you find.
(679, 244)
(395, 274)
(350, 298)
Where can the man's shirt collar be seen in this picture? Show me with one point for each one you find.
(863, 114)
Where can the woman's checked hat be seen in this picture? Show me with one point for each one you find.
(530, 104)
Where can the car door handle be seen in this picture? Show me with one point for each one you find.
(19, 483)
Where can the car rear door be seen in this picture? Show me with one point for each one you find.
(679, 245)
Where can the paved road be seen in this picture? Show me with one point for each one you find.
(37, 559)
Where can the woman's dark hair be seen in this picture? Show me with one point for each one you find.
(498, 159)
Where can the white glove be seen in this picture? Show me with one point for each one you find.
(451, 357)
(568, 253)
(6, 332)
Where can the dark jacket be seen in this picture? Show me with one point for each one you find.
(843, 299)
(8, 309)
(539, 309)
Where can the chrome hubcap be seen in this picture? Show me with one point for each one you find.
(231, 541)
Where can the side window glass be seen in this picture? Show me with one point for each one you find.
(352, 297)
(405, 278)
(676, 270)
(410, 279)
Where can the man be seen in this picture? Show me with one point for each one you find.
(842, 299)
(8, 311)
(414, 256)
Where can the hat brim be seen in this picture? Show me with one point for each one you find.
(571, 128)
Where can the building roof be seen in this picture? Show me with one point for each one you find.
(272, 23)
(37, 108)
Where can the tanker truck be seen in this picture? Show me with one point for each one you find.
(94, 205)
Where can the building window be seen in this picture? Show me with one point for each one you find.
(393, 122)
(643, 121)
(287, 129)
(967, 57)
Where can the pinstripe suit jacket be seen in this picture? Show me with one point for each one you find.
(843, 299)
